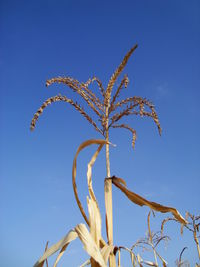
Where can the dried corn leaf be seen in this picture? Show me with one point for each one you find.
(106, 251)
(60, 255)
(137, 199)
(89, 173)
(81, 147)
(59, 245)
(93, 208)
(94, 220)
(89, 244)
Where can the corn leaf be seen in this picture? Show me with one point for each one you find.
(59, 245)
(81, 147)
(60, 255)
(137, 199)
(106, 250)
(94, 220)
(89, 244)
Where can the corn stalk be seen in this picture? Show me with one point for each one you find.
(108, 198)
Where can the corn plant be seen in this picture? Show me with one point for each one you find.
(109, 111)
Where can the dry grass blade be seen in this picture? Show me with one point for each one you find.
(59, 245)
(130, 129)
(137, 199)
(89, 244)
(116, 74)
(124, 83)
(81, 89)
(57, 98)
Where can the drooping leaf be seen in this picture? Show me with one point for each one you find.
(81, 147)
(137, 199)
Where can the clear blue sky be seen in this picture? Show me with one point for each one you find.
(44, 39)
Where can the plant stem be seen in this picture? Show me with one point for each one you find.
(108, 198)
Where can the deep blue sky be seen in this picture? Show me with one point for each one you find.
(44, 39)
